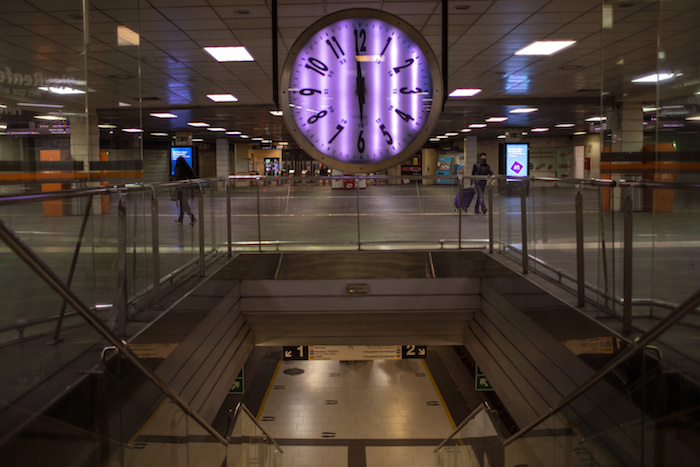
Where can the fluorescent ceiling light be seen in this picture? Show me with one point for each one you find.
(478, 125)
(124, 104)
(544, 47)
(501, 136)
(198, 124)
(462, 92)
(276, 113)
(216, 128)
(222, 97)
(524, 110)
(539, 130)
(159, 134)
(233, 132)
(451, 134)
(245, 136)
(106, 126)
(693, 118)
(655, 78)
(257, 139)
(163, 115)
(63, 90)
(565, 125)
(441, 137)
(596, 119)
(649, 109)
(197, 140)
(579, 133)
(496, 119)
(48, 106)
(127, 37)
(283, 143)
(229, 54)
(49, 117)
(466, 130)
(132, 130)
(434, 140)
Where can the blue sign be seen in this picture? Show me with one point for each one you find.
(178, 151)
(517, 159)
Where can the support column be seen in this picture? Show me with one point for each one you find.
(430, 159)
(222, 157)
(85, 146)
(240, 161)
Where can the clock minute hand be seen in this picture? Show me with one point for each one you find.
(360, 90)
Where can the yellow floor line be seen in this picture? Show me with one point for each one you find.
(269, 388)
(442, 401)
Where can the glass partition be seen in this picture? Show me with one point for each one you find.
(643, 412)
(249, 444)
(476, 442)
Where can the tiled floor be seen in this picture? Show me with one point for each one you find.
(323, 412)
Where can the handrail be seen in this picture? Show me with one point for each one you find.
(240, 407)
(683, 309)
(34, 262)
(468, 419)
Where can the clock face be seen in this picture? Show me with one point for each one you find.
(361, 91)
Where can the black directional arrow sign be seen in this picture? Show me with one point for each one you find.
(414, 351)
(300, 352)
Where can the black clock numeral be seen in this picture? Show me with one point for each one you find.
(309, 92)
(410, 91)
(340, 49)
(360, 35)
(408, 61)
(406, 117)
(314, 118)
(386, 134)
(360, 143)
(317, 65)
(388, 40)
(339, 128)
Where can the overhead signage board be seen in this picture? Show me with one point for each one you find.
(354, 352)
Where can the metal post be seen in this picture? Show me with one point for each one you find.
(259, 230)
(229, 235)
(117, 317)
(202, 267)
(357, 197)
(56, 335)
(155, 248)
(490, 192)
(580, 273)
(523, 223)
(627, 265)
(459, 212)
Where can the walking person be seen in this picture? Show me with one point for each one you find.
(481, 168)
(183, 171)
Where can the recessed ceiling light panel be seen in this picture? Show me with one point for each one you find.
(464, 92)
(544, 47)
(222, 97)
(229, 54)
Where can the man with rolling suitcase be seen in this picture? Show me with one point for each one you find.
(480, 168)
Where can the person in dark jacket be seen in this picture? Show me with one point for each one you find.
(183, 171)
(481, 168)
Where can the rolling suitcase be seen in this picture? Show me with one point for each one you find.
(464, 198)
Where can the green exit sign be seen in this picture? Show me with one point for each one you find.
(481, 383)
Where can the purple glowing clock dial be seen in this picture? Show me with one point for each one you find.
(361, 91)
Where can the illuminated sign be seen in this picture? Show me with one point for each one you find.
(517, 159)
(180, 151)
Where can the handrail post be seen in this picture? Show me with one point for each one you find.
(229, 236)
(523, 224)
(257, 185)
(357, 197)
(155, 248)
(580, 272)
(117, 318)
(490, 193)
(202, 268)
(459, 212)
(627, 264)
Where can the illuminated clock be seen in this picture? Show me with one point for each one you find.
(361, 90)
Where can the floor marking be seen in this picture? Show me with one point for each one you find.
(442, 401)
(269, 388)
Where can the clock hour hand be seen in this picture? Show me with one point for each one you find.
(360, 90)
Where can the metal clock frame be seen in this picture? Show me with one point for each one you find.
(429, 124)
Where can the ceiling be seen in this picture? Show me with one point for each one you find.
(170, 71)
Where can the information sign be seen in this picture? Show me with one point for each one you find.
(238, 386)
(354, 352)
(481, 383)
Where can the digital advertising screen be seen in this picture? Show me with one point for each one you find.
(517, 159)
(177, 151)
